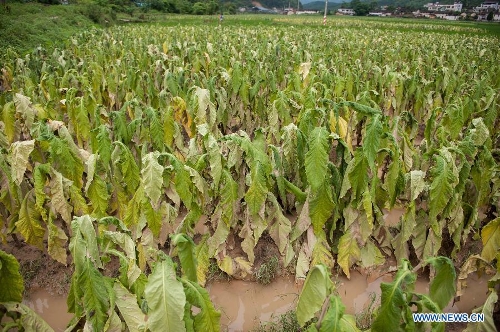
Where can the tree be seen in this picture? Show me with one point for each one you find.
(490, 16)
(199, 8)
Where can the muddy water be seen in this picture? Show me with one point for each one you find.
(52, 308)
(245, 304)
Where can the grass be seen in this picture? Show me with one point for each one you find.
(286, 322)
(267, 271)
(30, 25)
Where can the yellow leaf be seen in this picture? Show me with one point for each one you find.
(342, 130)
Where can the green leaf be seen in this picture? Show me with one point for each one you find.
(129, 309)
(95, 295)
(228, 198)
(442, 288)
(441, 189)
(208, 319)
(203, 259)
(316, 288)
(348, 252)
(316, 162)
(257, 193)
(357, 172)
(10, 279)
(28, 223)
(98, 195)
(490, 235)
(321, 206)
(335, 320)
(66, 161)
(19, 153)
(394, 300)
(151, 177)
(371, 141)
(185, 250)
(166, 299)
(127, 171)
(30, 321)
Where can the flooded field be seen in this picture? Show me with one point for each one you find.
(245, 304)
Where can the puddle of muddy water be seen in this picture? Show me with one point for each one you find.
(246, 304)
(52, 308)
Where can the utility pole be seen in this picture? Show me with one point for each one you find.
(326, 8)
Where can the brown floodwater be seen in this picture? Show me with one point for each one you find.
(51, 307)
(245, 304)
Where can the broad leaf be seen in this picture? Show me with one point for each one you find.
(371, 141)
(151, 177)
(28, 223)
(30, 321)
(316, 162)
(10, 279)
(315, 291)
(19, 153)
(208, 319)
(394, 300)
(442, 288)
(348, 252)
(490, 235)
(166, 299)
(129, 309)
(185, 249)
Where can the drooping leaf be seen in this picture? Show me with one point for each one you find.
(29, 223)
(256, 194)
(98, 195)
(335, 320)
(393, 299)
(203, 260)
(321, 206)
(19, 153)
(129, 309)
(95, 295)
(441, 189)
(57, 241)
(316, 162)
(487, 310)
(208, 319)
(166, 299)
(185, 249)
(442, 288)
(371, 141)
(58, 200)
(10, 279)
(151, 177)
(315, 291)
(348, 252)
(490, 235)
(417, 184)
(30, 321)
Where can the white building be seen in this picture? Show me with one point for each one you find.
(487, 6)
(436, 7)
(346, 11)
